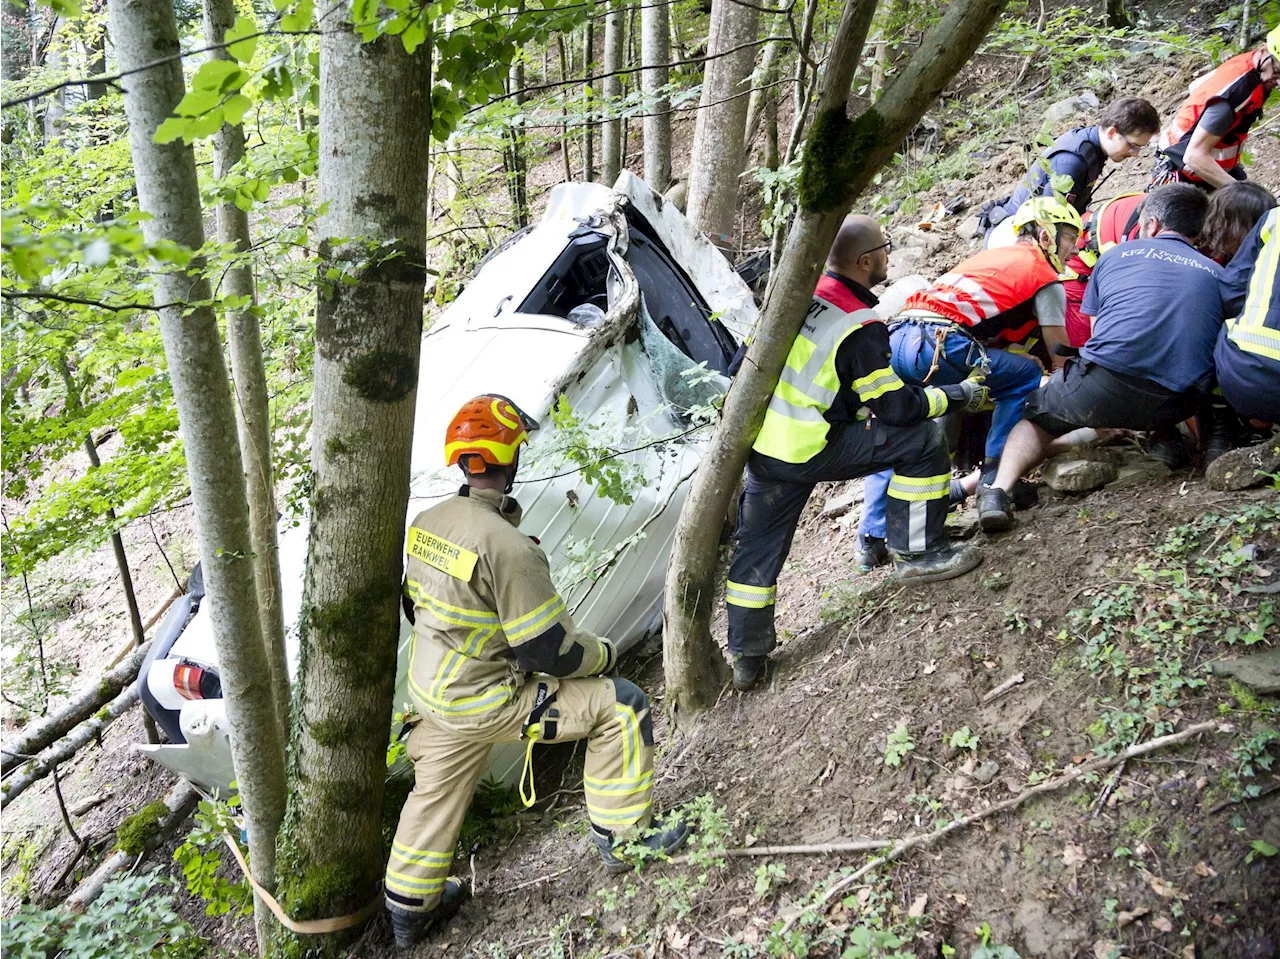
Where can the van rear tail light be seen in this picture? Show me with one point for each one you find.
(195, 682)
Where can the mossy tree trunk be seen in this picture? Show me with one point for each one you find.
(253, 410)
(368, 338)
(840, 160)
(655, 52)
(717, 158)
(588, 128)
(611, 133)
(763, 92)
(165, 176)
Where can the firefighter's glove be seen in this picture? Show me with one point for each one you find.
(968, 396)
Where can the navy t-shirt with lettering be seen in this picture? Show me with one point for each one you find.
(1156, 311)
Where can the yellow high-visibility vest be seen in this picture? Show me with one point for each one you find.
(1249, 331)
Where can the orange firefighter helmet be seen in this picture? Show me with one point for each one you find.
(487, 432)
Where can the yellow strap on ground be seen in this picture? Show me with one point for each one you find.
(527, 773)
(309, 927)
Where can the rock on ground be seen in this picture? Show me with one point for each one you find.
(1137, 470)
(1070, 473)
(1259, 671)
(1239, 469)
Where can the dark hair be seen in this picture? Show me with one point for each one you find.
(1233, 211)
(1179, 207)
(1130, 115)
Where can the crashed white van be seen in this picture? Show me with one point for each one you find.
(612, 302)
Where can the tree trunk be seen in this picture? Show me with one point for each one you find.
(840, 161)
(368, 339)
(55, 104)
(165, 176)
(717, 159)
(253, 410)
(772, 159)
(655, 52)
(802, 91)
(565, 69)
(611, 136)
(1118, 16)
(588, 132)
(762, 93)
(74, 402)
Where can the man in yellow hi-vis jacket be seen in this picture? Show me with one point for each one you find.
(497, 658)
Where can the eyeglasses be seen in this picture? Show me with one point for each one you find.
(887, 246)
(1134, 148)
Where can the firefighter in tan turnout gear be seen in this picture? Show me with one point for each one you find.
(497, 658)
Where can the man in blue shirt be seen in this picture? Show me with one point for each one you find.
(1125, 127)
(1157, 312)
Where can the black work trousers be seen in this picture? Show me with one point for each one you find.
(776, 494)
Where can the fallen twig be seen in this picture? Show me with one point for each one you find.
(1264, 791)
(905, 845)
(549, 877)
(821, 849)
(1008, 684)
(81, 848)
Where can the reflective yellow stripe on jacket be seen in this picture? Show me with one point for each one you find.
(1249, 330)
(795, 426)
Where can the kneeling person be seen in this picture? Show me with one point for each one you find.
(497, 658)
(840, 411)
(1156, 313)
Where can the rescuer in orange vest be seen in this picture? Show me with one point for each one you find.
(1204, 142)
(981, 316)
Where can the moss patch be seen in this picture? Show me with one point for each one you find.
(136, 831)
(381, 376)
(835, 151)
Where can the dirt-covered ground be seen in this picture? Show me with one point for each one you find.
(1167, 865)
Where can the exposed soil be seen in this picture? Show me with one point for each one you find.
(800, 761)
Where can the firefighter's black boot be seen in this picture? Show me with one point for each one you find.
(748, 671)
(937, 565)
(411, 928)
(664, 839)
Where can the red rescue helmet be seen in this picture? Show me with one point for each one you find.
(487, 432)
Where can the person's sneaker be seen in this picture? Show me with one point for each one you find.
(995, 511)
(411, 928)
(748, 671)
(872, 552)
(938, 565)
(664, 838)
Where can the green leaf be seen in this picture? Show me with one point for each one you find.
(244, 50)
(414, 35)
(218, 76)
(1264, 848)
(171, 129)
(234, 109)
(300, 19)
(197, 103)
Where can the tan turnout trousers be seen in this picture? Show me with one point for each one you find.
(472, 692)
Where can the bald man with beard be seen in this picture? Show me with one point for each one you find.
(839, 411)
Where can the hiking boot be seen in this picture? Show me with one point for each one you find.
(1219, 442)
(872, 552)
(748, 671)
(411, 928)
(663, 838)
(1168, 449)
(995, 511)
(933, 567)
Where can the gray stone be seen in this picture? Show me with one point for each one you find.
(1069, 474)
(1259, 671)
(905, 261)
(985, 772)
(1084, 103)
(1239, 469)
(841, 503)
(1137, 472)
(967, 228)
